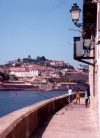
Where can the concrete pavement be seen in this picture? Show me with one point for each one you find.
(72, 121)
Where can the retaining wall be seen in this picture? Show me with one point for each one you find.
(21, 123)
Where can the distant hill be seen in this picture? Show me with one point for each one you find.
(39, 61)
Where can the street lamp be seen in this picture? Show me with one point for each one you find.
(75, 13)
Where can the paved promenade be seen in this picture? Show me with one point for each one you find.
(72, 121)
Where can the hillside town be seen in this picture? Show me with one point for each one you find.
(41, 74)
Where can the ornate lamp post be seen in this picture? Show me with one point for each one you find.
(83, 48)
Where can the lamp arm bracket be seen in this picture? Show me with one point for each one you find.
(86, 62)
(79, 25)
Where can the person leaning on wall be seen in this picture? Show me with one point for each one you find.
(78, 96)
(70, 94)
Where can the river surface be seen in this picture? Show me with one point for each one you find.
(14, 100)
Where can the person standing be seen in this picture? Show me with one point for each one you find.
(89, 96)
(77, 96)
(86, 97)
(70, 94)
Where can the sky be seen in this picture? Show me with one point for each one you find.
(37, 28)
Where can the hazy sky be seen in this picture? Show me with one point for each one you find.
(37, 28)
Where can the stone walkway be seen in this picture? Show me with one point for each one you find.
(72, 121)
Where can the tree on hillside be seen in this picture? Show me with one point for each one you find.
(42, 58)
(29, 57)
(18, 60)
(4, 76)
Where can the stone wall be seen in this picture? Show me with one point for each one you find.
(21, 123)
(94, 90)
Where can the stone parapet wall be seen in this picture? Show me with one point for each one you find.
(23, 122)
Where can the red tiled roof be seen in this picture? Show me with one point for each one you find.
(84, 73)
(0, 82)
(73, 72)
(67, 83)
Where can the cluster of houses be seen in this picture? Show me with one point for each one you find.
(35, 77)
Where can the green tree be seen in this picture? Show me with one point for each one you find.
(43, 58)
(18, 60)
(5, 76)
(29, 57)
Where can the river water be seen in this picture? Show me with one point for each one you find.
(14, 100)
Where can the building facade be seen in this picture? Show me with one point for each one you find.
(94, 71)
(89, 52)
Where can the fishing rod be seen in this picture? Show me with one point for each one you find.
(43, 95)
(47, 96)
(40, 95)
(53, 95)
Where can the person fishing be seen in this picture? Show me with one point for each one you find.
(78, 96)
(70, 94)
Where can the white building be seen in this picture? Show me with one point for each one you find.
(25, 73)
